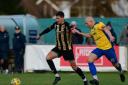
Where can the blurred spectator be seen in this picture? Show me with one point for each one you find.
(89, 41)
(19, 49)
(4, 49)
(124, 36)
(109, 26)
(76, 38)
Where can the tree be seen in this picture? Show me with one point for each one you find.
(11, 7)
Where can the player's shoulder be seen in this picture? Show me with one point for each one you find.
(100, 23)
(66, 23)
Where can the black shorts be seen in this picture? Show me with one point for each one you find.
(67, 54)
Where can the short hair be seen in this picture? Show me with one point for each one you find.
(89, 18)
(60, 13)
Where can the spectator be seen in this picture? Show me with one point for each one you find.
(19, 49)
(76, 38)
(109, 26)
(124, 37)
(4, 49)
(89, 41)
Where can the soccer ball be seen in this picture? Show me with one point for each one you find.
(15, 81)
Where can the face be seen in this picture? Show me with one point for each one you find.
(17, 31)
(89, 24)
(59, 19)
(2, 29)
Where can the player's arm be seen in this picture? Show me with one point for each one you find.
(105, 28)
(81, 33)
(107, 31)
(45, 31)
(85, 34)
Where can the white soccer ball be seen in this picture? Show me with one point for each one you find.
(15, 81)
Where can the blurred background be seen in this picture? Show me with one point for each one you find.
(33, 16)
(34, 13)
(72, 8)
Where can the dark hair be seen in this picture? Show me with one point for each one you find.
(17, 28)
(60, 13)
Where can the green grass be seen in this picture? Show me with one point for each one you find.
(67, 78)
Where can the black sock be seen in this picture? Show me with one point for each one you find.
(52, 66)
(119, 68)
(79, 71)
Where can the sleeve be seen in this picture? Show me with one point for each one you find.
(47, 29)
(101, 25)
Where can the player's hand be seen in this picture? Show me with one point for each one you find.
(112, 39)
(38, 37)
(75, 31)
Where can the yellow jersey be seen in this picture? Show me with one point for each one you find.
(101, 40)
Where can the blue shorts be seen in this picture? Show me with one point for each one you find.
(110, 54)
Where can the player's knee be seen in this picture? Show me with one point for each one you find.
(74, 67)
(92, 57)
(48, 58)
(90, 60)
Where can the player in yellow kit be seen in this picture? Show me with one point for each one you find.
(103, 38)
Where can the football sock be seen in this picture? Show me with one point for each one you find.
(95, 77)
(80, 73)
(93, 71)
(57, 75)
(119, 68)
(52, 66)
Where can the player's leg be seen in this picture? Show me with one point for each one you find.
(69, 56)
(119, 68)
(94, 55)
(92, 69)
(78, 71)
(111, 55)
(51, 55)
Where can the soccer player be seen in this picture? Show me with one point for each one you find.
(99, 32)
(63, 46)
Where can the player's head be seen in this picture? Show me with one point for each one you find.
(59, 17)
(90, 22)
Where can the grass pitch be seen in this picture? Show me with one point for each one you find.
(47, 78)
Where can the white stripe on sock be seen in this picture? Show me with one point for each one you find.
(95, 77)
